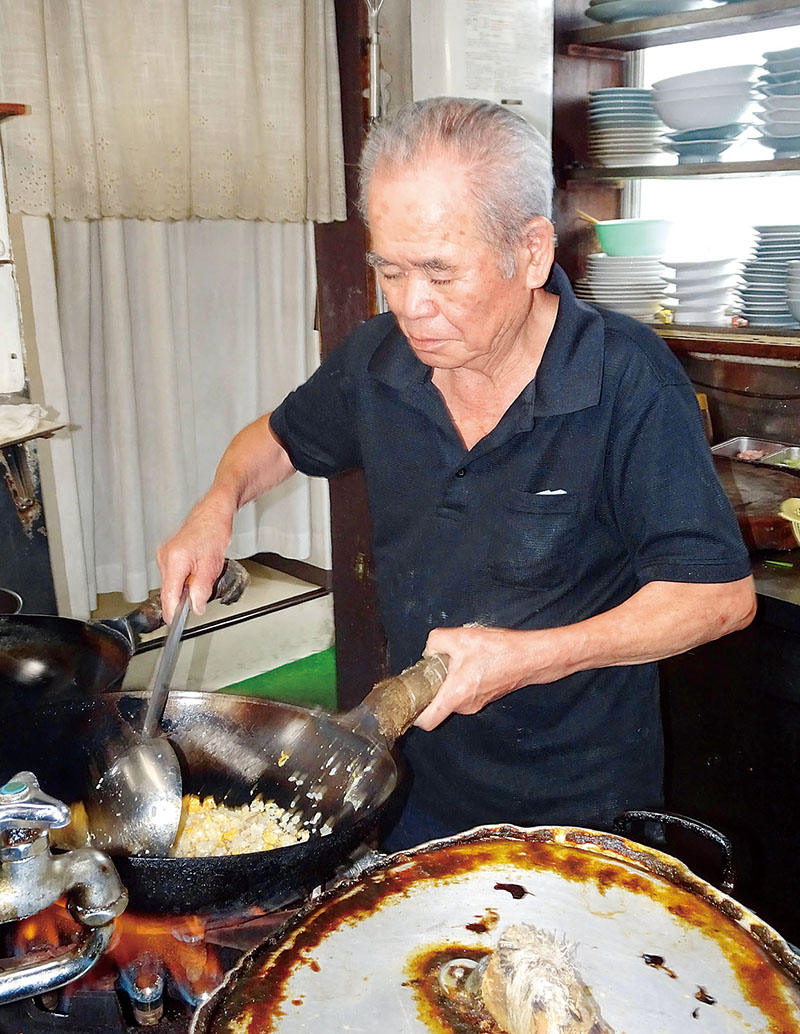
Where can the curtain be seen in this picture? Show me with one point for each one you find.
(169, 337)
(168, 109)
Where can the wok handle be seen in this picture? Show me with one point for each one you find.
(727, 882)
(147, 617)
(397, 701)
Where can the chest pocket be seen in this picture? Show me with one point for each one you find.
(535, 540)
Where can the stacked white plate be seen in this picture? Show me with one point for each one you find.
(623, 127)
(709, 99)
(624, 10)
(634, 286)
(793, 289)
(702, 290)
(779, 117)
(765, 289)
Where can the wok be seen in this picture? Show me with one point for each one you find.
(45, 658)
(337, 771)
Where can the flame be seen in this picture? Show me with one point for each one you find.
(141, 948)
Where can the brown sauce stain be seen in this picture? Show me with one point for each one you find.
(703, 996)
(434, 1008)
(514, 889)
(657, 962)
(485, 923)
(314, 966)
(260, 989)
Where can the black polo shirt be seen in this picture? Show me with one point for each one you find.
(597, 480)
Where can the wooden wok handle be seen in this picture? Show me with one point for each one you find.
(398, 700)
(147, 617)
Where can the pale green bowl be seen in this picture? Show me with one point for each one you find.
(633, 237)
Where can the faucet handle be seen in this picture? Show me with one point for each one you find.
(23, 805)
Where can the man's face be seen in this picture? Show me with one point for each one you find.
(441, 279)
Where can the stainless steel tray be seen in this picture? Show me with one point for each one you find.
(787, 459)
(733, 446)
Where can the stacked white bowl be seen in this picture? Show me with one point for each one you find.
(702, 290)
(707, 109)
(793, 289)
(779, 117)
(765, 290)
(632, 284)
(623, 10)
(623, 127)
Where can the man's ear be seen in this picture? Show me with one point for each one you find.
(539, 251)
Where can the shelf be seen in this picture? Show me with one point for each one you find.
(46, 429)
(718, 169)
(726, 20)
(745, 342)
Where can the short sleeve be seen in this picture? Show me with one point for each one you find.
(669, 505)
(317, 424)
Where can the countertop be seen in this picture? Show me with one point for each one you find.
(778, 588)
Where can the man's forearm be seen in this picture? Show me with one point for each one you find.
(254, 462)
(660, 620)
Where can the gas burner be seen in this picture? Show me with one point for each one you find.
(156, 972)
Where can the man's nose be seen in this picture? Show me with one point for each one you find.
(417, 297)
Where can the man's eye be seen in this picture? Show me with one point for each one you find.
(390, 276)
(441, 281)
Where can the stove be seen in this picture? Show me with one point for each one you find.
(155, 973)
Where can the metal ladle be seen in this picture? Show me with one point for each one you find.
(135, 808)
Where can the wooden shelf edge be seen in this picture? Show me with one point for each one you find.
(727, 19)
(642, 172)
(744, 342)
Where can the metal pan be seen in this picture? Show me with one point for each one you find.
(337, 771)
(45, 658)
(659, 949)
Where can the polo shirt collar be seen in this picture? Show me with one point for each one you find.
(570, 374)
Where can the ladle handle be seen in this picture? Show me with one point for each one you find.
(162, 679)
(398, 700)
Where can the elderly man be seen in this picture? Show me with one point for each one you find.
(544, 507)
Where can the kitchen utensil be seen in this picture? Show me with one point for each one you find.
(135, 807)
(586, 217)
(658, 948)
(756, 493)
(234, 748)
(44, 658)
(10, 602)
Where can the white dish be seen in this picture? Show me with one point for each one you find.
(710, 267)
(700, 112)
(775, 103)
(632, 161)
(623, 10)
(782, 228)
(780, 116)
(704, 93)
(782, 129)
(716, 296)
(680, 285)
(709, 77)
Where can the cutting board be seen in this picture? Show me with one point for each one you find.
(756, 494)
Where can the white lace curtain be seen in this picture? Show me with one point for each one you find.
(168, 109)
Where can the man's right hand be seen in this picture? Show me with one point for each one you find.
(196, 553)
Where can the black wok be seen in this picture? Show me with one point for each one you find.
(338, 777)
(45, 659)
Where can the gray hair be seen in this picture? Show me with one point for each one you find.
(507, 159)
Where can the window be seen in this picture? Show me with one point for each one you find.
(714, 216)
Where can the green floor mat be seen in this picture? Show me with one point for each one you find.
(308, 682)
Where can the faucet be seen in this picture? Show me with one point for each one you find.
(32, 877)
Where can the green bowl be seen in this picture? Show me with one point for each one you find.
(633, 237)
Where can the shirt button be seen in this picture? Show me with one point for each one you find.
(460, 473)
